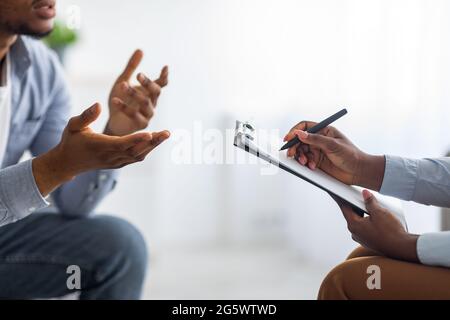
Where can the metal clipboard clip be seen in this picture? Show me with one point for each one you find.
(244, 130)
(246, 137)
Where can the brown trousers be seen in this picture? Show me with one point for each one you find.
(398, 279)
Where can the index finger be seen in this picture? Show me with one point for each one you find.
(303, 125)
(132, 65)
(128, 141)
(147, 146)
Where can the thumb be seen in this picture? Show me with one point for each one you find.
(372, 205)
(325, 143)
(85, 119)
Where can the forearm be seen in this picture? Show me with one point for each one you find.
(49, 172)
(405, 249)
(77, 193)
(19, 194)
(425, 181)
(370, 171)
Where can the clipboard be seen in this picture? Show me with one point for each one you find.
(245, 139)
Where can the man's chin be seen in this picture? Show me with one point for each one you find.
(39, 35)
(33, 31)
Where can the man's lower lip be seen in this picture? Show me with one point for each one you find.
(45, 12)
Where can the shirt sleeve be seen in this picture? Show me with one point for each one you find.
(19, 194)
(425, 181)
(81, 195)
(434, 249)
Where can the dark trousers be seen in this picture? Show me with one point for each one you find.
(40, 257)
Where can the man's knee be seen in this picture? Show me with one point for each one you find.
(332, 287)
(118, 239)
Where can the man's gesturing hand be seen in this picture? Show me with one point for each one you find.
(132, 107)
(82, 150)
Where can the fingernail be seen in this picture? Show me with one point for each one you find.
(367, 195)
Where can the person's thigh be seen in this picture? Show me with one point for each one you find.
(362, 252)
(398, 280)
(35, 254)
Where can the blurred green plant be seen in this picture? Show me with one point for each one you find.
(61, 36)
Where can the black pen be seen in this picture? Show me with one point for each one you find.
(325, 123)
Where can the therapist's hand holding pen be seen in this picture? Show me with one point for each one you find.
(335, 154)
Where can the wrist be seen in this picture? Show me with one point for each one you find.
(406, 249)
(109, 131)
(370, 172)
(58, 166)
(49, 171)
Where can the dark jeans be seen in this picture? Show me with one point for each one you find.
(35, 254)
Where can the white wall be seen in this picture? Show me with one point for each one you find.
(277, 62)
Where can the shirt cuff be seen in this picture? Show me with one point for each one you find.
(19, 194)
(400, 177)
(433, 249)
(98, 182)
(107, 176)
